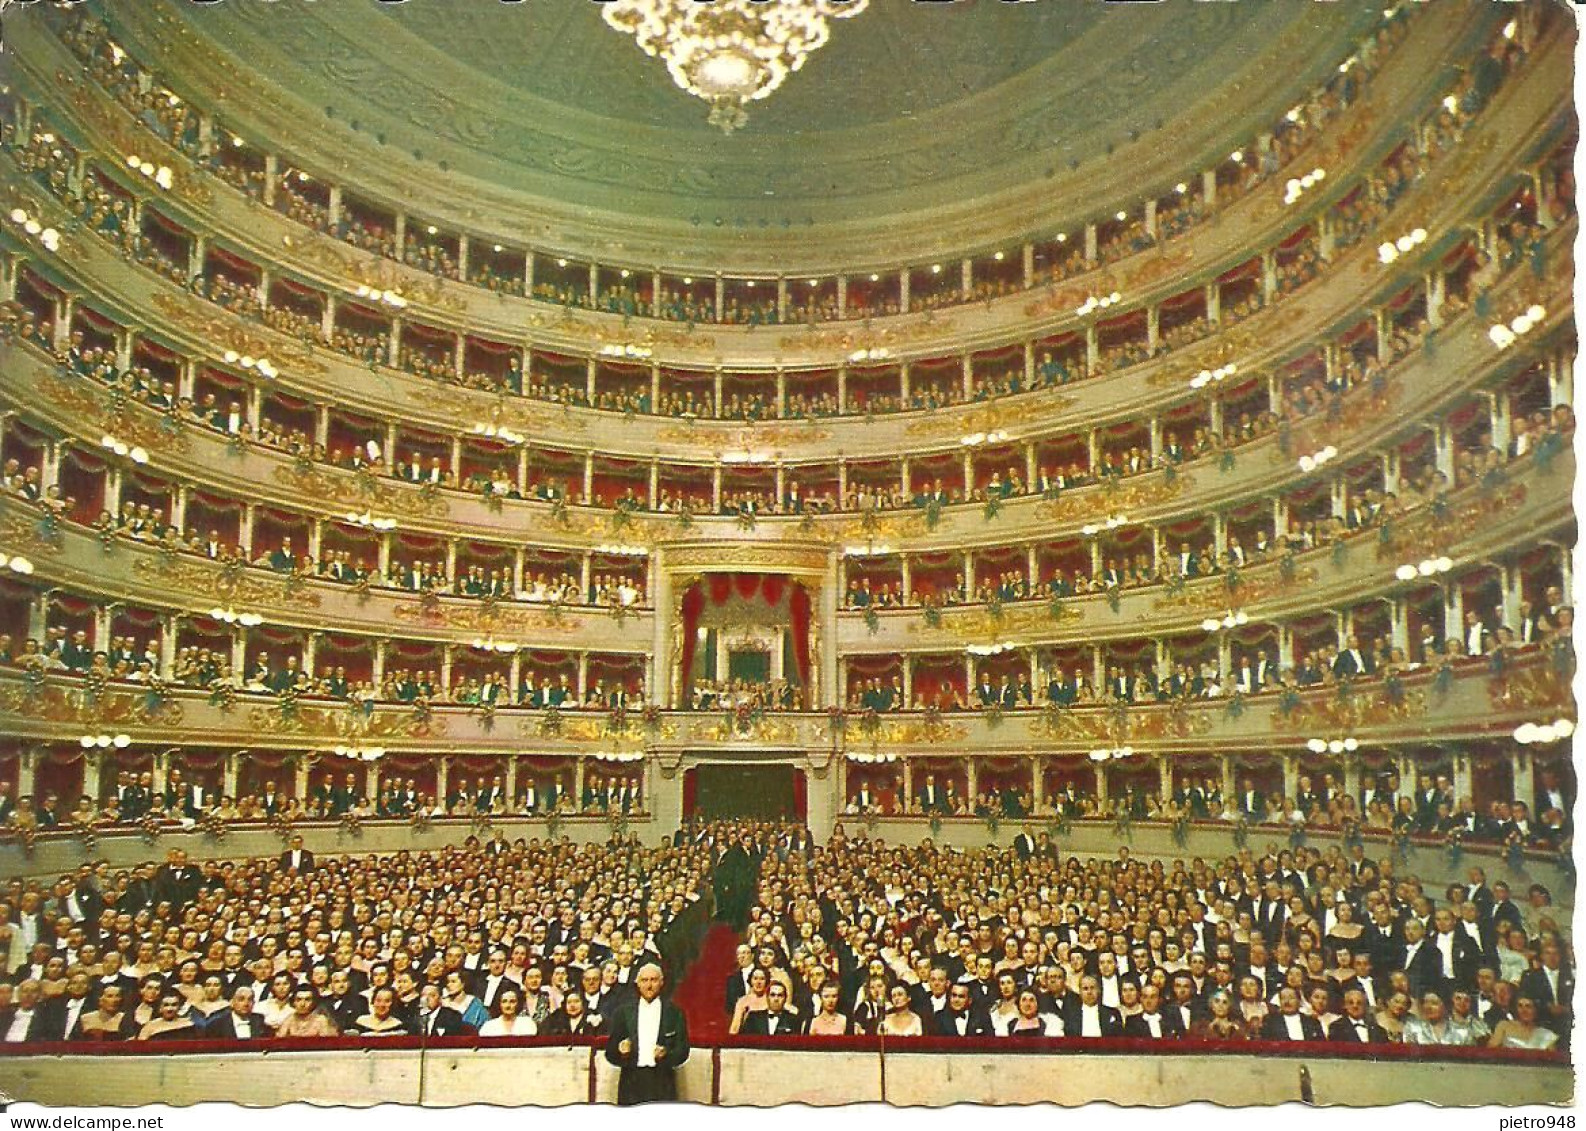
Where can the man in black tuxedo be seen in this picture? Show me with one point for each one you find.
(341, 1002)
(1288, 1023)
(1090, 1018)
(1024, 845)
(240, 1022)
(738, 980)
(649, 1042)
(58, 1016)
(960, 1019)
(1422, 962)
(1153, 1021)
(495, 980)
(928, 998)
(1356, 1024)
(177, 881)
(1551, 984)
(1458, 955)
(436, 1020)
(297, 858)
(775, 1020)
(1187, 1006)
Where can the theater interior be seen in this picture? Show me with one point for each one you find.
(1064, 504)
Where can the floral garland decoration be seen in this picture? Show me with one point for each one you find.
(223, 695)
(1181, 831)
(26, 837)
(105, 528)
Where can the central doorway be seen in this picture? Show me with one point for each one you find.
(764, 792)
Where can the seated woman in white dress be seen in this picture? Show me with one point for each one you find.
(512, 1022)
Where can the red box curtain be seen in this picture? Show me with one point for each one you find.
(719, 588)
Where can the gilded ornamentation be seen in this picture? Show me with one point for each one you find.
(716, 559)
(1215, 595)
(994, 417)
(523, 415)
(881, 526)
(589, 731)
(924, 732)
(333, 722)
(1164, 262)
(360, 268)
(565, 322)
(744, 437)
(56, 704)
(228, 585)
(109, 121)
(1095, 502)
(26, 531)
(1342, 713)
(362, 492)
(1118, 724)
(226, 331)
(1537, 686)
(985, 624)
(85, 402)
(475, 616)
(1429, 531)
(762, 729)
(866, 336)
(1355, 412)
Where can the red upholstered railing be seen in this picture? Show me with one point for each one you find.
(1056, 1046)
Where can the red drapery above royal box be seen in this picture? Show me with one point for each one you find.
(720, 588)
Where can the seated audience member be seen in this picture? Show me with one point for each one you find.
(171, 1024)
(381, 1020)
(306, 1019)
(510, 1021)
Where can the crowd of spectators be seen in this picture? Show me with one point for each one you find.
(500, 939)
(1308, 945)
(434, 254)
(746, 696)
(1431, 808)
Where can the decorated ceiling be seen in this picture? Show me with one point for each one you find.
(911, 106)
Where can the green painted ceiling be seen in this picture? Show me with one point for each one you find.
(909, 105)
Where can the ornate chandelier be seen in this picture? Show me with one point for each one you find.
(729, 52)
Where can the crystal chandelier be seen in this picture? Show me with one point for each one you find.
(729, 52)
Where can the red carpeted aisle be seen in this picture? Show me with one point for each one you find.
(702, 991)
